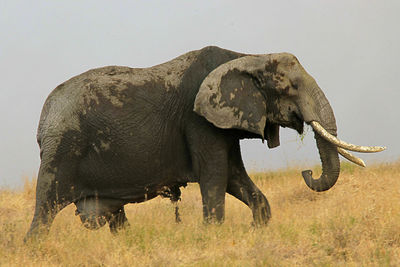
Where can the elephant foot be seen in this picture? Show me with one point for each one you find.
(117, 221)
(261, 209)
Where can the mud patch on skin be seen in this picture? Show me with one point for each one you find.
(104, 145)
(168, 74)
(108, 90)
(237, 101)
(273, 79)
(272, 66)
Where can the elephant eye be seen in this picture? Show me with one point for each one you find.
(294, 85)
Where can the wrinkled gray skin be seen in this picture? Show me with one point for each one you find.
(118, 135)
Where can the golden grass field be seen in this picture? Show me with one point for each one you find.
(356, 223)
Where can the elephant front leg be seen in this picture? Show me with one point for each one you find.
(213, 188)
(209, 148)
(213, 197)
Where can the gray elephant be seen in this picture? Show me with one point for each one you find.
(118, 135)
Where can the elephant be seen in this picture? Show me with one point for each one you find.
(117, 135)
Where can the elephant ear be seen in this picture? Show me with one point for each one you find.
(229, 98)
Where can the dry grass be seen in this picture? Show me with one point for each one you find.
(357, 223)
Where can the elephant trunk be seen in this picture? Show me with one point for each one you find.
(330, 166)
(319, 109)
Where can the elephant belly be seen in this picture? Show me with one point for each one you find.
(133, 171)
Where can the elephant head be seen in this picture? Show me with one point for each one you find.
(259, 93)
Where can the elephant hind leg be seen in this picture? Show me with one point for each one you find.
(45, 212)
(54, 191)
(48, 203)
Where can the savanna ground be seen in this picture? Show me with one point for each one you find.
(356, 223)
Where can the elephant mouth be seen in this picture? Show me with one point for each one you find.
(297, 123)
(294, 122)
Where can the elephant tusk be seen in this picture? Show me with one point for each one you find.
(351, 157)
(334, 140)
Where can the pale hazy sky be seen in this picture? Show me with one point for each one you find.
(350, 47)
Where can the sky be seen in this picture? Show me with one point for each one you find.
(350, 47)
